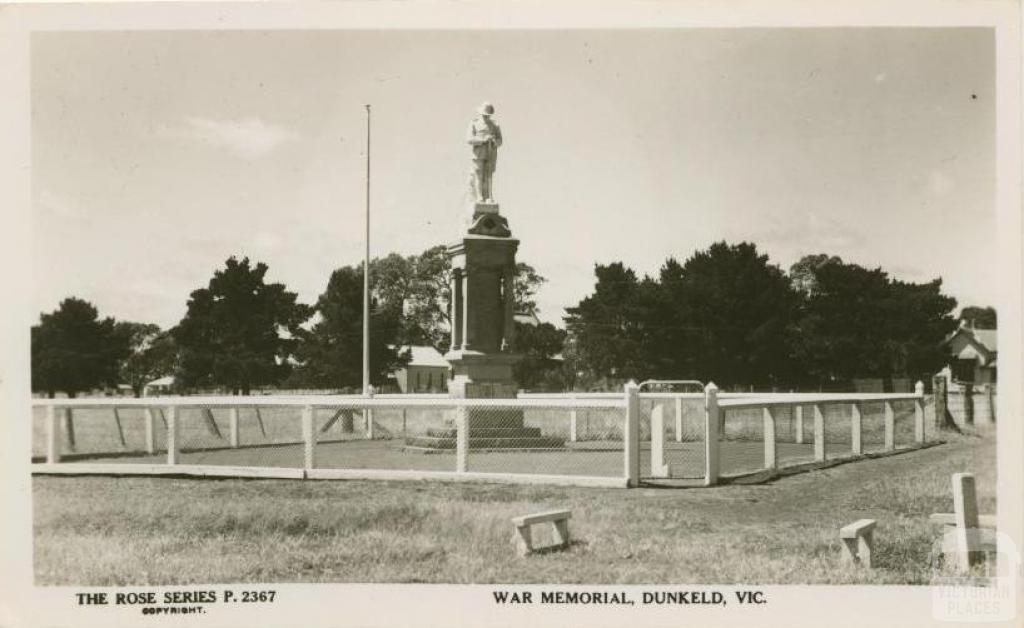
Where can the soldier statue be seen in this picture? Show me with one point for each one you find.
(484, 137)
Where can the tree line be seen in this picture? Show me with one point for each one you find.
(728, 315)
(242, 332)
(725, 314)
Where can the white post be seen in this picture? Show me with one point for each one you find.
(856, 440)
(572, 424)
(890, 427)
(631, 434)
(461, 439)
(798, 424)
(819, 433)
(368, 416)
(770, 459)
(658, 467)
(990, 392)
(711, 422)
(233, 427)
(150, 431)
(965, 509)
(172, 435)
(919, 413)
(679, 419)
(69, 426)
(52, 436)
(309, 436)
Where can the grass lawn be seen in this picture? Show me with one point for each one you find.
(119, 531)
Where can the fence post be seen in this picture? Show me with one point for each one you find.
(856, 441)
(572, 423)
(819, 433)
(919, 412)
(711, 423)
(461, 439)
(172, 435)
(233, 427)
(309, 436)
(52, 436)
(631, 434)
(940, 393)
(368, 416)
(798, 424)
(990, 392)
(150, 431)
(890, 427)
(770, 460)
(658, 467)
(69, 426)
(679, 419)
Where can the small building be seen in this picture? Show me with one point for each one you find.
(426, 372)
(157, 387)
(973, 355)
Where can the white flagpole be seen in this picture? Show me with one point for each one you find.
(366, 269)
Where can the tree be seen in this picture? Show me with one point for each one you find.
(538, 345)
(801, 274)
(611, 329)
(239, 331)
(331, 353)
(860, 323)
(73, 350)
(980, 317)
(726, 316)
(152, 354)
(524, 287)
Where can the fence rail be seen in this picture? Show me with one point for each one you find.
(591, 439)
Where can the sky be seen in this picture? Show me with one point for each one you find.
(157, 155)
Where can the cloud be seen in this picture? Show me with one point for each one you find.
(815, 232)
(248, 137)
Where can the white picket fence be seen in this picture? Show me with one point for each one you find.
(627, 410)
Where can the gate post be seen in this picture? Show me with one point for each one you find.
(658, 467)
(679, 419)
(631, 435)
(711, 423)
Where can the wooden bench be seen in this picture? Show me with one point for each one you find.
(524, 537)
(858, 542)
(968, 536)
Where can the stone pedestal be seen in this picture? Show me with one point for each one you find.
(482, 350)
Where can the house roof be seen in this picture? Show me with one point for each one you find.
(527, 318)
(987, 338)
(425, 356)
(167, 380)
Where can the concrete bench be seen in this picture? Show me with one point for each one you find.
(524, 536)
(858, 541)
